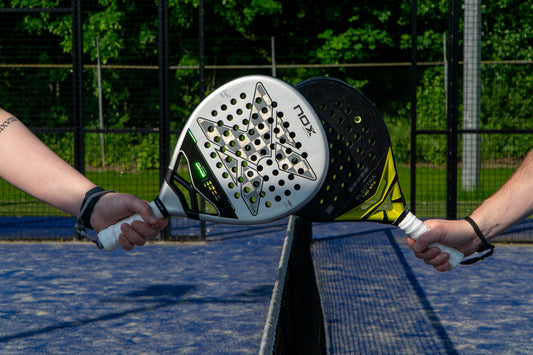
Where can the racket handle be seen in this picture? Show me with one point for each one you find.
(109, 237)
(414, 227)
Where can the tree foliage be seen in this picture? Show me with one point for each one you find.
(238, 32)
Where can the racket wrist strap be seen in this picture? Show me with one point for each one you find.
(83, 220)
(485, 245)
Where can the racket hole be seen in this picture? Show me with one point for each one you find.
(298, 145)
(274, 104)
(253, 158)
(249, 106)
(276, 130)
(255, 116)
(279, 114)
(253, 199)
(270, 162)
(242, 96)
(281, 183)
(285, 166)
(258, 100)
(287, 192)
(245, 164)
(271, 188)
(207, 145)
(297, 187)
(267, 136)
(245, 122)
(250, 174)
(237, 195)
(292, 134)
(231, 185)
(213, 155)
(220, 123)
(229, 117)
(239, 112)
(305, 155)
(233, 101)
(268, 204)
(270, 120)
(277, 198)
(223, 107)
(301, 171)
(247, 190)
(266, 178)
(291, 177)
(219, 165)
(264, 109)
(357, 119)
(225, 175)
(214, 113)
(275, 172)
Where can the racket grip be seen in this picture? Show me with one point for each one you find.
(414, 227)
(109, 237)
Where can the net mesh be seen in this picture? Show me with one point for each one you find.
(295, 323)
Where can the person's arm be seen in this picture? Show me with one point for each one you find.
(31, 166)
(510, 204)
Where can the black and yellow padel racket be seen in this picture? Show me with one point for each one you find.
(362, 181)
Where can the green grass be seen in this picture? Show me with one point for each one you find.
(431, 190)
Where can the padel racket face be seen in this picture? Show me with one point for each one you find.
(254, 151)
(361, 174)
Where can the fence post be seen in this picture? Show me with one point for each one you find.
(164, 112)
(452, 107)
(414, 82)
(472, 94)
(77, 87)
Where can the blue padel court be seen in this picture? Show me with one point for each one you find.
(213, 297)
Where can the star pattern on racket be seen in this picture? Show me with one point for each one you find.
(254, 142)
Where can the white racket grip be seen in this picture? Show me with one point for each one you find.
(109, 237)
(414, 227)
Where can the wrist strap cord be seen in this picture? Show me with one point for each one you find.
(485, 245)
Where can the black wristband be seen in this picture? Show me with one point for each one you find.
(83, 220)
(485, 245)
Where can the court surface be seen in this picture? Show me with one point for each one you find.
(213, 297)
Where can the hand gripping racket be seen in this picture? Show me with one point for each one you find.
(254, 150)
(362, 181)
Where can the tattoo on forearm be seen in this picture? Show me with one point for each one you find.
(6, 123)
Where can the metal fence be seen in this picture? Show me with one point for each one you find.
(131, 153)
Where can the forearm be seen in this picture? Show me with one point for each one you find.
(31, 166)
(510, 204)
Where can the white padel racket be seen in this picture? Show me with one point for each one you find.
(254, 151)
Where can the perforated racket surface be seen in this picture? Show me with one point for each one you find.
(253, 151)
(356, 146)
(362, 181)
